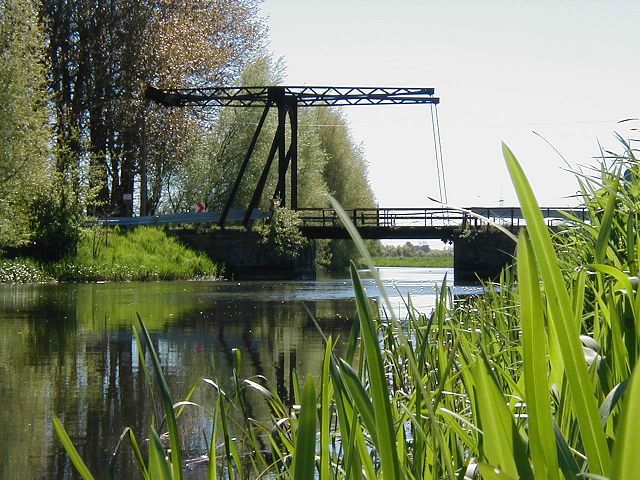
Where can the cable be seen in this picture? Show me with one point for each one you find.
(444, 178)
(435, 130)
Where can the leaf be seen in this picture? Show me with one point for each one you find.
(612, 399)
(385, 432)
(75, 457)
(305, 453)
(158, 466)
(543, 452)
(165, 395)
(562, 317)
(626, 460)
(502, 445)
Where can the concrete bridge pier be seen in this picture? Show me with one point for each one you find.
(482, 254)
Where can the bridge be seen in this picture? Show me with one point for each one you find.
(477, 249)
(480, 250)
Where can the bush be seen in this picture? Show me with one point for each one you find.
(55, 226)
(283, 232)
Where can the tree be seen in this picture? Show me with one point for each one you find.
(24, 132)
(103, 54)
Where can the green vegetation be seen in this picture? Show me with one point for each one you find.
(444, 260)
(144, 253)
(282, 232)
(535, 379)
(410, 255)
(102, 254)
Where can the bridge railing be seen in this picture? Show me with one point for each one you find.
(510, 217)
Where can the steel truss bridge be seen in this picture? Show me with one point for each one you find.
(373, 223)
(286, 100)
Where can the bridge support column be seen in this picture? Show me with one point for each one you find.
(483, 254)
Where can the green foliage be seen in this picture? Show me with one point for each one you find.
(55, 224)
(24, 131)
(434, 261)
(144, 253)
(282, 232)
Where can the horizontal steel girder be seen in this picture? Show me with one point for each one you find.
(303, 96)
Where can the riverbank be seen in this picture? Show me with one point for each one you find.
(444, 260)
(142, 254)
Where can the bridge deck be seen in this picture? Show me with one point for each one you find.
(374, 223)
(425, 223)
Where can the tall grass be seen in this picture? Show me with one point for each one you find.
(537, 378)
(144, 253)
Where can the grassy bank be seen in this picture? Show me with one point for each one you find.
(112, 255)
(434, 261)
(535, 379)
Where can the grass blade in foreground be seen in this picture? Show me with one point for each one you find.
(174, 435)
(502, 445)
(543, 452)
(385, 432)
(582, 390)
(305, 454)
(71, 450)
(626, 461)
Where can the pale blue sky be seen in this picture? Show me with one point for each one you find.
(567, 69)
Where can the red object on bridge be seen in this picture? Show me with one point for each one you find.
(200, 208)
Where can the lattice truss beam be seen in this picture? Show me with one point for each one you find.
(286, 100)
(304, 96)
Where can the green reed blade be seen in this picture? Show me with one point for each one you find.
(212, 469)
(612, 399)
(304, 459)
(158, 466)
(543, 452)
(566, 460)
(167, 402)
(562, 315)
(631, 243)
(326, 392)
(360, 398)
(128, 433)
(385, 432)
(138, 454)
(409, 356)
(502, 445)
(626, 460)
(75, 457)
(604, 230)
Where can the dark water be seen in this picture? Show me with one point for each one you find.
(69, 350)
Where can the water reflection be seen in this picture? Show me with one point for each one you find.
(69, 350)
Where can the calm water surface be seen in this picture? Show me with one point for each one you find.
(68, 350)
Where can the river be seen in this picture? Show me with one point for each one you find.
(69, 350)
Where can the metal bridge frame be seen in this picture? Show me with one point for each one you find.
(286, 99)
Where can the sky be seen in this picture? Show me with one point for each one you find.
(567, 70)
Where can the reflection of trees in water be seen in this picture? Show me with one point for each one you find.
(93, 381)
